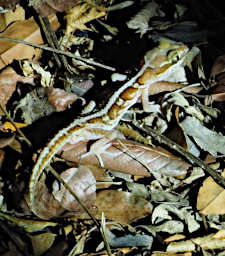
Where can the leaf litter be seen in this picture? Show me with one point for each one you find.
(147, 196)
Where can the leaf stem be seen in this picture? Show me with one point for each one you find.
(46, 48)
(163, 139)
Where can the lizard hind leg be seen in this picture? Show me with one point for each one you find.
(147, 106)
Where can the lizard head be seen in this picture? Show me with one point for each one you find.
(163, 60)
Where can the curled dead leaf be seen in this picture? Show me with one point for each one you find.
(45, 205)
(82, 182)
(59, 98)
(8, 81)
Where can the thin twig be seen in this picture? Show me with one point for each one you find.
(104, 236)
(46, 48)
(14, 125)
(163, 139)
(59, 178)
(98, 225)
(46, 28)
(53, 40)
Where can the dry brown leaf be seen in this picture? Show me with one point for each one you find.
(218, 97)
(218, 93)
(2, 155)
(79, 15)
(6, 141)
(59, 98)
(8, 81)
(174, 238)
(58, 249)
(130, 157)
(45, 205)
(9, 4)
(46, 7)
(82, 182)
(211, 198)
(218, 66)
(26, 30)
(16, 145)
(49, 205)
(120, 206)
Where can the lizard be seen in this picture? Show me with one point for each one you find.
(159, 63)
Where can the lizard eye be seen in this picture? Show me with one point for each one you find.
(173, 56)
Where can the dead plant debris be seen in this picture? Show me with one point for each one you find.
(112, 128)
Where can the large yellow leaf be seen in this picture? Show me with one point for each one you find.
(211, 198)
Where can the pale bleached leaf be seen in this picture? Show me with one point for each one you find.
(208, 140)
(182, 246)
(34, 105)
(186, 213)
(170, 226)
(209, 242)
(34, 69)
(196, 173)
(160, 211)
(141, 19)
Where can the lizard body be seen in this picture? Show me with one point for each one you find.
(160, 63)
